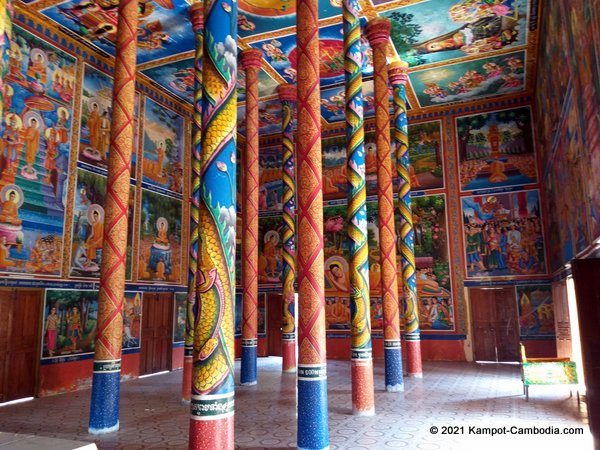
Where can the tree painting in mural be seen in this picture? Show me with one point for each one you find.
(160, 238)
(88, 225)
(425, 144)
(163, 147)
(432, 263)
(496, 149)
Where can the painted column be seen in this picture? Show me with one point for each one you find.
(251, 60)
(197, 18)
(363, 400)
(313, 431)
(104, 407)
(212, 404)
(6, 17)
(412, 336)
(378, 33)
(287, 95)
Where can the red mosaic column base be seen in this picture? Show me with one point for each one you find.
(363, 398)
(186, 385)
(288, 351)
(414, 364)
(212, 434)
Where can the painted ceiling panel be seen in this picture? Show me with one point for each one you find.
(458, 50)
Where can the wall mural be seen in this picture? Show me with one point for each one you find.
(164, 133)
(281, 54)
(335, 183)
(536, 310)
(442, 30)
(96, 113)
(271, 184)
(270, 248)
(132, 320)
(70, 317)
(34, 158)
(179, 317)
(426, 156)
(333, 102)
(96, 21)
(569, 130)
(269, 117)
(88, 225)
(503, 235)
(470, 80)
(496, 149)
(160, 256)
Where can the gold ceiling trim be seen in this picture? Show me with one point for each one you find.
(166, 60)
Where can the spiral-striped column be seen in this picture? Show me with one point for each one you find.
(363, 396)
(6, 18)
(287, 95)
(104, 407)
(197, 18)
(251, 60)
(212, 404)
(313, 430)
(378, 33)
(398, 78)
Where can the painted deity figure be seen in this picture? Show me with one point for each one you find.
(104, 138)
(61, 125)
(94, 127)
(162, 237)
(52, 139)
(15, 56)
(37, 68)
(94, 240)
(10, 210)
(337, 277)
(160, 158)
(74, 326)
(474, 248)
(32, 144)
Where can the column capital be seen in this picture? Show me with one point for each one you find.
(287, 92)
(251, 57)
(196, 12)
(398, 72)
(378, 31)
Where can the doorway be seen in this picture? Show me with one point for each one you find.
(274, 324)
(157, 320)
(495, 324)
(20, 312)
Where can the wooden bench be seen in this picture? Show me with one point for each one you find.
(546, 371)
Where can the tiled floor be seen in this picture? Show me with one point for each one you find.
(460, 394)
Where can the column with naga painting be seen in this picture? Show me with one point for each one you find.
(399, 78)
(104, 407)
(212, 405)
(287, 95)
(197, 19)
(251, 60)
(313, 431)
(363, 399)
(378, 32)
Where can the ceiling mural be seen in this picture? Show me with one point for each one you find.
(457, 50)
(178, 78)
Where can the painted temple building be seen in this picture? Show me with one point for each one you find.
(199, 187)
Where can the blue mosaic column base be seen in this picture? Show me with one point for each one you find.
(104, 408)
(248, 369)
(313, 433)
(394, 379)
